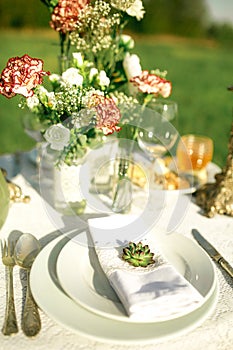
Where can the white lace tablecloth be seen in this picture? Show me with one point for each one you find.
(216, 333)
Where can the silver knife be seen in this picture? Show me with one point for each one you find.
(213, 253)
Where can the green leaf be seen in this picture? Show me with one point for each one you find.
(138, 255)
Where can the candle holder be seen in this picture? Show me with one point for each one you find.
(217, 197)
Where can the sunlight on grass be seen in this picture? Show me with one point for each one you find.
(200, 73)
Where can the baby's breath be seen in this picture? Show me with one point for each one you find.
(122, 5)
(95, 27)
(96, 33)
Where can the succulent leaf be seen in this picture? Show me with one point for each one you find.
(138, 255)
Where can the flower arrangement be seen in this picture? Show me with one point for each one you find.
(88, 99)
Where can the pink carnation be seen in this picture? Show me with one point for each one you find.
(21, 75)
(152, 84)
(108, 115)
(65, 14)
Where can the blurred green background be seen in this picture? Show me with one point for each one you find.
(175, 35)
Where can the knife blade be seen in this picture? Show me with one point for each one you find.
(213, 253)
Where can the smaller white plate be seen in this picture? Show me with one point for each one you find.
(211, 170)
(82, 278)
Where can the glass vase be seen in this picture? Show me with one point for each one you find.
(68, 198)
(123, 192)
(63, 63)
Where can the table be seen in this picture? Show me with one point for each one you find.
(216, 333)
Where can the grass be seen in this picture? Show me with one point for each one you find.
(39, 44)
(199, 70)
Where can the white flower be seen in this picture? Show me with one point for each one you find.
(42, 90)
(103, 79)
(127, 40)
(78, 59)
(58, 136)
(32, 102)
(136, 10)
(132, 66)
(54, 78)
(93, 73)
(52, 102)
(42, 93)
(72, 77)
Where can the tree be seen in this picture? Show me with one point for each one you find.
(222, 32)
(180, 17)
(23, 13)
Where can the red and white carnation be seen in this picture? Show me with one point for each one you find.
(108, 115)
(21, 76)
(152, 84)
(65, 15)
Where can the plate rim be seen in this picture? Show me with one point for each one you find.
(121, 317)
(74, 313)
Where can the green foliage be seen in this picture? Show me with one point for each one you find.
(23, 13)
(50, 4)
(221, 32)
(183, 17)
(180, 17)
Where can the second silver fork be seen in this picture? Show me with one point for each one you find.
(10, 321)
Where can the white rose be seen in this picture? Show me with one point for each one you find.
(58, 136)
(103, 79)
(136, 10)
(78, 59)
(72, 77)
(132, 66)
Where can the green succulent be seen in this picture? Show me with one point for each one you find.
(138, 255)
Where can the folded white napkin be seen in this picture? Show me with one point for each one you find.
(155, 293)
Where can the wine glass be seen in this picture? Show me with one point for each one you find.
(194, 152)
(32, 127)
(157, 132)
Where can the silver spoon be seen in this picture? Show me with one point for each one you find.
(26, 250)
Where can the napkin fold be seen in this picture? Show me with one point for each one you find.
(155, 293)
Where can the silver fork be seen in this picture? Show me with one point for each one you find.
(10, 322)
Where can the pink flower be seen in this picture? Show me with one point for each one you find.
(21, 75)
(152, 84)
(108, 115)
(65, 15)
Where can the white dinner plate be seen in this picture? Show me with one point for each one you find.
(52, 299)
(87, 284)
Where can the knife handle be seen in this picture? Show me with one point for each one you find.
(226, 266)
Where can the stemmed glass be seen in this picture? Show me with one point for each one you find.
(157, 133)
(32, 128)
